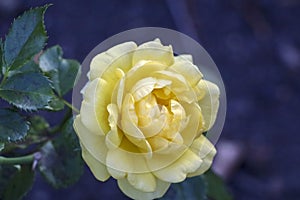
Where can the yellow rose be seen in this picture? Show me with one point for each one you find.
(142, 118)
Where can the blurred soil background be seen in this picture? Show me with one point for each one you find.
(256, 46)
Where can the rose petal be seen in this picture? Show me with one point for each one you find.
(209, 103)
(178, 170)
(94, 144)
(187, 69)
(206, 151)
(141, 70)
(98, 169)
(108, 61)
(125, 161)
(145, 182)
(129, 190)
(154, 51)
(93, 110)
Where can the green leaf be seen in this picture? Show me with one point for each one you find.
(216, 188)
(1, 146)
(28, 91)
(19, 184)
(192, 189)
(55, 104)
(13, 127)
(1, 56)
(30, 66)
(6, 173)
(62, 72)
(37, 125)
(61, 163)
(26, 38)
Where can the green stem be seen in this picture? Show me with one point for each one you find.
(4, 78)
(70, 106)
(20, 160)
(58, 127)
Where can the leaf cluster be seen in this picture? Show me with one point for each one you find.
(35, 80)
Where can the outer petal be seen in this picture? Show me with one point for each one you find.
(121, 53)
(129, 190)
(93, 110)
(206, 151)
(187, 69)
(94, 144)
(98, 169)
(124, 161)
(145, 182)
(209, 103)
(177, 171)
(154, 51)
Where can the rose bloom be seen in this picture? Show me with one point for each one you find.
(142, 118)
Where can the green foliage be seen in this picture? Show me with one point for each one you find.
(13, 126)
(27, 86)
(1, 55)
(61, 164)
(2, 145)
(19, 184)
(204, 187)
(25, 39)
(62, 72)
(215, 187)
(6, 173)
(28, 91)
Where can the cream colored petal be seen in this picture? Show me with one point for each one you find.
(206, 151)
(155, 51)
(113, 138)
(88, 110)
(98, 169)
(177, 171)
(94, 114)
(94, 144)
(129, 190)
(117, 174)
(143, 88)
(195, 123)
(145, 182)
(129, 118)
(179, 83)
(111, 59)
(187, 69)
(124, 161)
(187, 57)
(209, 103)
(141, 70)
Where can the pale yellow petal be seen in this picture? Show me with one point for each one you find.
(141, 70)
(117, 174)
(187, 69)
(111, 59)
(145, 182)
(177, 171)
(124, 161)
(206, 151)
(113, 138)
(143, 88)
(194, 127)
(98, 169)
(129, 190)
(93, 110)
(94, 144)
(209, 103)
(155, 51)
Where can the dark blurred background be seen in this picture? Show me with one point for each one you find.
(255, 44)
